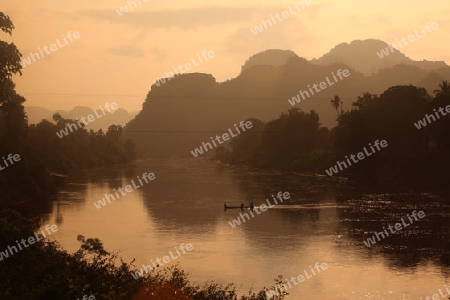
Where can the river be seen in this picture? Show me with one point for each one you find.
(324, 221)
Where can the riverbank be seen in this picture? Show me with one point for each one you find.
(46, 271)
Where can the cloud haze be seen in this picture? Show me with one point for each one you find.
(126, 54)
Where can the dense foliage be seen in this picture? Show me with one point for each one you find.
(45, 271)
(41, 151)
(295, 141)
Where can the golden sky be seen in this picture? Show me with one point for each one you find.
(117, 58)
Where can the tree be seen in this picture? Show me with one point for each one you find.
(364, 101)
(444, 89)
(9, 61)
(13, 121)
(10, 58)
(336, 103)
(442, 95)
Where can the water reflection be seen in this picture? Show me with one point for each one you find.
(190, 193)
(324, 220)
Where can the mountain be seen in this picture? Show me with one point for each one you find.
(118, 117)
(180, 115)
(36, 114)
(363, 55)
(272, 57)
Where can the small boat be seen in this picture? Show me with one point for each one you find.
(242, 206)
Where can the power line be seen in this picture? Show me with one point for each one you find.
(73, 94)
(210, 131)
(192, 98)
(186, 131)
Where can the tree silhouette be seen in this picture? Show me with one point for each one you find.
(336, 103)
(13, 121)
(444, 89)
(364, 101)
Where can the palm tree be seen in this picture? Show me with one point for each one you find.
(336, 103)
(444, 89)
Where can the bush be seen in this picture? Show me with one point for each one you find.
(45, 271)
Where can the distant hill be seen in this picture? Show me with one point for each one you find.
(36, 114)
(186, 111)
(119, 117)
(272, 57)
(362, 55)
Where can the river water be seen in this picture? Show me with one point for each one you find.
(324, 221)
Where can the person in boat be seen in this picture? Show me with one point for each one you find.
(224, 206)
(252, 206)
(242, 206)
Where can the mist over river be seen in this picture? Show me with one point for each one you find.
(324, 221)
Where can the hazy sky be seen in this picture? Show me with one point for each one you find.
(117, 58)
